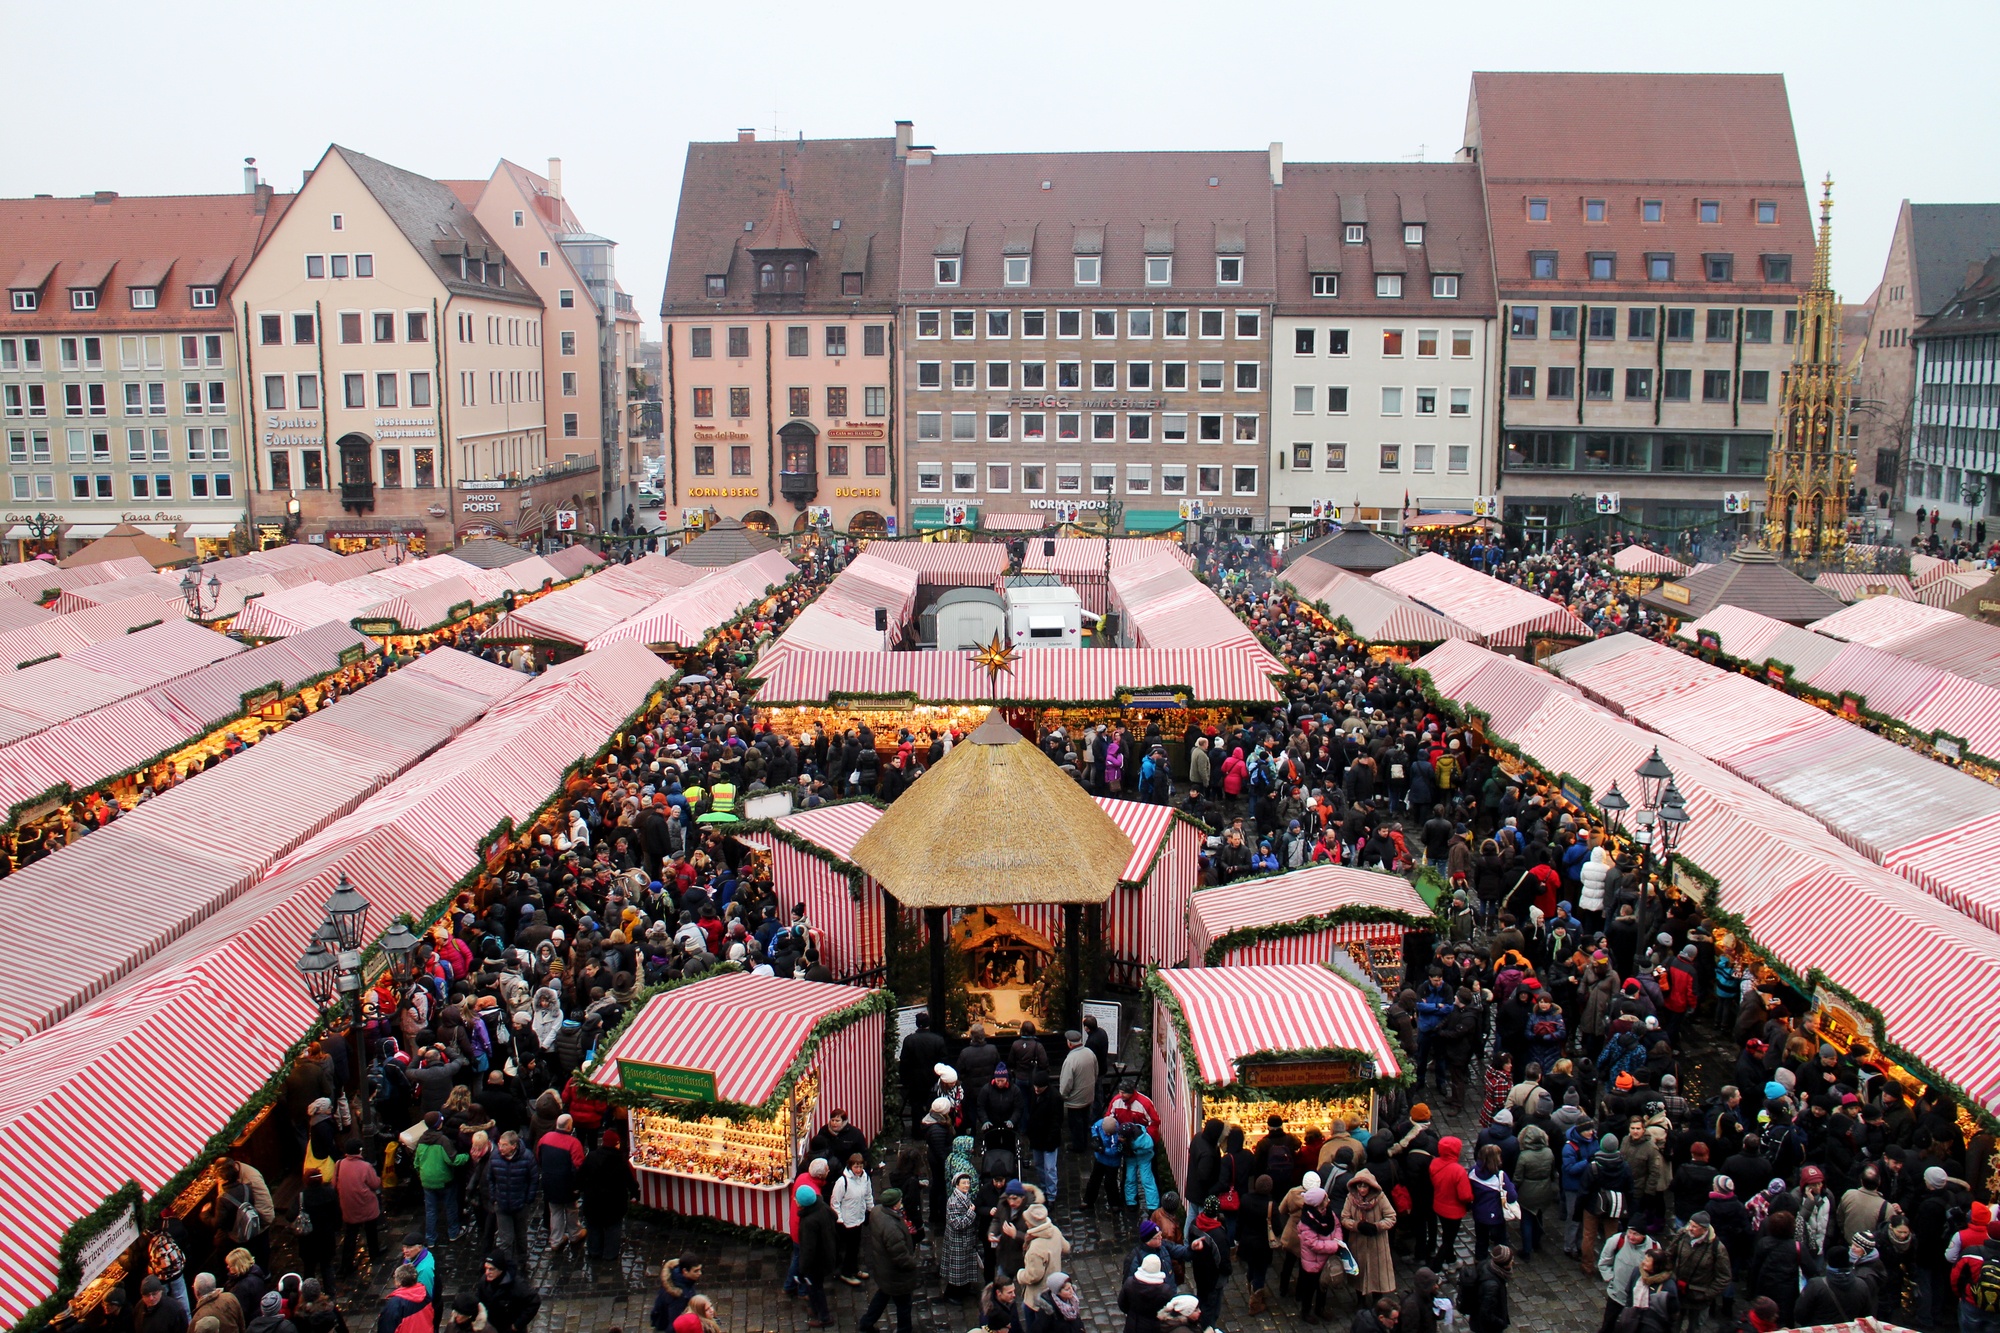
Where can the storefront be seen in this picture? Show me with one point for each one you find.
(1304, 1042)
(349, 537)
(725, 1081)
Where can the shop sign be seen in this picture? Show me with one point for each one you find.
(100, 1251)
(1106, 404)
(264, 698)
(1238, 511)
(1946, 746)
(1987, 608)
(1775, 674)
(1302, 1074)
(352, 654)
(1571, 793)
(856, 430)
(1673, 592)
(1069, 504)
(479, 506)
(857, 492)
(139, 516)
(484, 484)
(405, 428)
(1838, 1021)
(1709, 642)
(720, 436)
(565, 520)
(377, 628)
(671, 1082)
(293, 432)
(723, 492)
(1850, 707)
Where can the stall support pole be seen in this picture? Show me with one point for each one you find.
(1073, 965)
(934, 921)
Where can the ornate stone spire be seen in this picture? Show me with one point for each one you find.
(1811, 462)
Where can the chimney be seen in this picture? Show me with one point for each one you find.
(104, 196)
(555, 178)
(263, 204)
(1277, 162)
(906, 131)
(746, 135)
(249, 175)
(920, 155)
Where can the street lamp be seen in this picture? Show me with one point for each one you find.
(1654, 777)
(201, 597)
(1614, 805)
(316, 966)
(348, 911)
(399, 944)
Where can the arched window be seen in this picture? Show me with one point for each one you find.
(767, 278)
(792, 280)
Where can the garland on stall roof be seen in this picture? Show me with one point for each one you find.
(1156, 987)
(880, 1001)
(69, 1266)
(799, 843)
(1309, 925)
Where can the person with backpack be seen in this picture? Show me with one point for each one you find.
(1277, 1156)
(1482, 1292)
(1975, 1280)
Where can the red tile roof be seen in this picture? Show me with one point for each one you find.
(171, 241)
(1443, 195)
(1627, 138)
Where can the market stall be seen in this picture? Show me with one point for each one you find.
(1353, 607)
(1945, 639)
(1860, 587)
(726, 1079)
(810, 862)
(1240, 1044)
(689, 617)
(1643, 562)
(1502, 615)
(573, 616)
(1308, 916)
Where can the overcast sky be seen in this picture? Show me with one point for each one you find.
(161, 99)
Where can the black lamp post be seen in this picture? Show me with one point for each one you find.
(348, 911)
(316, 967)
(1614, 805)
(1662, 817)
(201, 597)
(399, 944)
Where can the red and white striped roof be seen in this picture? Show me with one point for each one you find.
(1500, 613)
(587, 608)
(66, 633)
(1234, 1012)
(1047, 675)
(688, 615)
(842, 617)
(1375, 613)
(1947, 588)
(1085, 555)
(1508, 690)
(93, 675)
(834, 827)
(1636, 559)
(1942, 638)
(1812, 902)
(1146, 827)
(1315, 891)
(947, 564)
(196, 847)
(32, 578)
(1859, 587)
(707, 1026)
(1166, 606)
(1013, 522)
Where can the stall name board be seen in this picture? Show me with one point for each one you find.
(1776, 675)
(855, 430)
(102, 1250)
(720, 436)
(377, 627)
(1673, 592)
(667, 1081)
(723, 492)
(1302, 1074)
(405, 428)
(857, 492)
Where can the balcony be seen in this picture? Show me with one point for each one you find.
(357, 497)
(798, 487)
(517, 480)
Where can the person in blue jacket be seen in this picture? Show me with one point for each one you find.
(1434, 1005)
(1579, 1146)
(1140, 1183)
(1107, 1149)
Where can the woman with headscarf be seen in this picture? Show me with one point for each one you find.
(1320, 1239)
(1059, 1309)
(960, 1265)
(1367, 1219)
(546, 1019)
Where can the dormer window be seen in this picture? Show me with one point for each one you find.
(767, 277)
(1159, 270)
(201, 298)
(26, 300)
(1326, 284)
(1016, 270)
(850, 284)
(83, 298)
(793, 276)
(1413, 233)
(145, 298)
(947, 272)
(1088, 267)
(717, 284)
(1389, 286)
(1356, 233)
(1229, 270)
(1444, 286)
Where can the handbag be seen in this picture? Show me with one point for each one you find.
(303, 1223)
(1229, 1201)
(1510, 1210)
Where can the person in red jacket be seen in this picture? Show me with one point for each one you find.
(1677, 983)
(585, 1111)
(1451, 1196)
(407, 1308)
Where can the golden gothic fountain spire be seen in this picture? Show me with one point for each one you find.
(1812, 460)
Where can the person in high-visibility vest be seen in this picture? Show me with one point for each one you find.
(721, 804)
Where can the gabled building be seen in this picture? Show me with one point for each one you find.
(1380, 400)
(1931, 255)
(120, 366)
(1088, 329)
(778, 325)
(591, 327)
(395, 360)
(1651, 235)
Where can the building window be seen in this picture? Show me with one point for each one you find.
(353, 391)
(1757, 326)
(836, 340)
(1597, 382)
(1562, 321)
(1069, 323)
(798, 340)
(1542, 264)
(1246, 428)
(1069, 478)
(1355, 233)
(1034, 477)
(308, 393)
(1103, 478)
(964, 324)
(1249, 324)
(1174, 428)
(1603, 267)
(1211, 324)
(704, 403)
(999, 323)
(1243, 480)
(1015, 270)
(1640, 322)
(1520, 381)
(385, 389)
(1208, 376)
(1423, 458)
(1680, 326)
(1176, 325)
(930, 374)
(1593, 210)
(1652, 210)
(998, 426)
(1755, 386)
(1710, 210)
(281, 469)
(964, 374)
(1427, 402)
(946, 272)
(1639, 385)
(1538, 210)
(1777, 268)
(1248, 374)
(1388, 286)
(569, 384)
(1603, 323)
(964, 425)
(1208, 428)
(1659, 268)
(1228, 270)
(1715, 386)
(739, 401)
(1159, 270)
(1767, 212)
(739, 460)
(964, 478)
(1326, 284)
(1721, 268)
(1391, 457)
(1104, 323)
(1413, 233)
(1303, 398)
(1087, 270)
(798, 402)
(350, 326)
(145, 298)
(1461, 402)
(1336, 400)
(836, 403)
(1444, 286)
(1522, 321)
(1392, 342)
(1676, 385)
(1458, 458)
(1721, 325)
(1392, 401)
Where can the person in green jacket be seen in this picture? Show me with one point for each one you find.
(437, 1160)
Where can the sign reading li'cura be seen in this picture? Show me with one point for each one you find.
(671, 1082)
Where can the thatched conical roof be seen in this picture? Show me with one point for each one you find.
(995, 822)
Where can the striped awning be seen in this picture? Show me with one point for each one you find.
(1099, 675)
(702, 1027)
(1238, 1012)
(688, 615)
(1013, 522)
(1508, 690)
(949, 564)
(1859, 587)
(1314, 891)
(1644, 560)
(1085, 555)
(1168, 607)
(1503, 615)
(1146, 827)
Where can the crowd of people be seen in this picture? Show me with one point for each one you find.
(1566, 1002)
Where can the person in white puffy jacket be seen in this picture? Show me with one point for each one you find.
(1590, 903)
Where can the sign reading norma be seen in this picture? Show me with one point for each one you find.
(669, 1081)
(1302, 1074)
